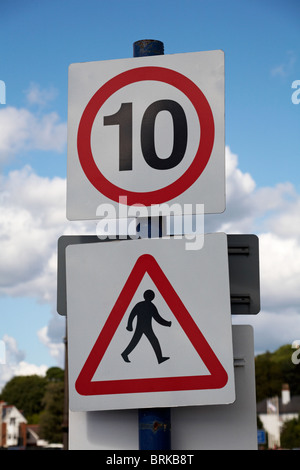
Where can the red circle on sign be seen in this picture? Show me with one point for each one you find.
(207, 132)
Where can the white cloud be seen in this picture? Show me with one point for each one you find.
(280, 272)
(272, 330)
(13, 353)
(35, 95)
(251, 209)
(56, 349)
(285, 222)
(273, 213)
(237, 183)
(15, 363)
(33, 218)
(286, 67)
(21, 130)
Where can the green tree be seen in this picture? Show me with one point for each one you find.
(274, 369)
(55, 374)
(290, 434)
(26, 393)
(267, 376)
(37, 396)
(52, 417)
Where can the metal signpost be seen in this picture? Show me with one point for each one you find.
(153, 319)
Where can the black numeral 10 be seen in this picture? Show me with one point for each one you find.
(123, 118)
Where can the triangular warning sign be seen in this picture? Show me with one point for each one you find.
(218, 376)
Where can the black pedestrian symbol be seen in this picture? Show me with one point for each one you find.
(145, 311)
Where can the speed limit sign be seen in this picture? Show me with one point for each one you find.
(149, 132)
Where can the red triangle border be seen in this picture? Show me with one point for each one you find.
(218, 376)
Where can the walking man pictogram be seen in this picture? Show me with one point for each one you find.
(145, 311)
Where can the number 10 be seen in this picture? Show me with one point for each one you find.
(123, 118)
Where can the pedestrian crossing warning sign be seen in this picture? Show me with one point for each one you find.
(149, 344)
(217, 377)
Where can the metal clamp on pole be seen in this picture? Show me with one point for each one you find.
(239, 362)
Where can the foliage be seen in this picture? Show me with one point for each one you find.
(40, 399)
(25, 393)
(290, 434)
(274, 369)
(51, 418)
(55, 374)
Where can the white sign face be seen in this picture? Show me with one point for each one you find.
(149, 324)
(146, 132)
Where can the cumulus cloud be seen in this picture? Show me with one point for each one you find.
(272, 330)
(251, 209)
(15, 363)
(13, 353)
(286, 221)
(22, 130)
(33, 218)
(54, 344)
(35, 95)
(280, 272)
(273, 214)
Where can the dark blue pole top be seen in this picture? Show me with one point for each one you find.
(146, 47)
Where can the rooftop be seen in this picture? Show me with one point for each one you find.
(293, 406)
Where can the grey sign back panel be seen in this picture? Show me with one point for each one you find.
(243, 260)
(62, 244)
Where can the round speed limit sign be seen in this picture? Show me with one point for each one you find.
(146, 132)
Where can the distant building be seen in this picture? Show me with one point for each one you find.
(274, 412)
(16, 432)
(11, 426)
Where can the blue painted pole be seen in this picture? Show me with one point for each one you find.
(155, 429)
(154, 423)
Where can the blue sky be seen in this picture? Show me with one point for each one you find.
(260, 39)
(39, 40)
